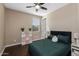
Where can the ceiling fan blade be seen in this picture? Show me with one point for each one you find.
(41, 3)
(29, 6)
(44, 8)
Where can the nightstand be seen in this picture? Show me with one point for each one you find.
(75, 50)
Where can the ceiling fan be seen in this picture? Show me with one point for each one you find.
(37, 6)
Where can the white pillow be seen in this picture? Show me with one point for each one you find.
(55, 39)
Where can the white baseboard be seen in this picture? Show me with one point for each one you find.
(24, 43)
(2, 51)
(12, 45)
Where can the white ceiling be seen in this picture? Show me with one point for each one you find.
(22, 7)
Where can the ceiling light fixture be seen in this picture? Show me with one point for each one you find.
(37, 7)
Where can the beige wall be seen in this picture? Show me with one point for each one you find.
(14, 21)
(64, 19)
(1, 27)
(78, 17)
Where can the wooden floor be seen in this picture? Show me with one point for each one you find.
(17, 50)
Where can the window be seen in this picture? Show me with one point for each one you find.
(35, 24)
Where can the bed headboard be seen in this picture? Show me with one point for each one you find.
(65, 33)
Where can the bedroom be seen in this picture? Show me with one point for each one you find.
(60, 18)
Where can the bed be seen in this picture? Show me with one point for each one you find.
(46, 47)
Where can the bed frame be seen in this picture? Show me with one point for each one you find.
(65, 33)
(32, 49)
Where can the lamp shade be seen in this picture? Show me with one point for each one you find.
(76, 35)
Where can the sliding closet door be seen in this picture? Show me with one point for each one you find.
(36, 29)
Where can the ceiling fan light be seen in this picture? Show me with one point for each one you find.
(37, 6)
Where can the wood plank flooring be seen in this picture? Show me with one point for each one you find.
(17, 50)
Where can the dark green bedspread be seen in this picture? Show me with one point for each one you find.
(46, 47)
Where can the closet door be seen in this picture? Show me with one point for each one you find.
(43, 28)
